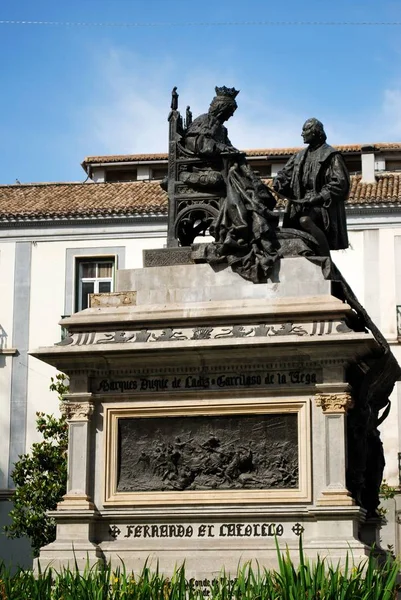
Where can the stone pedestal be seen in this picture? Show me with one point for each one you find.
(208, 420)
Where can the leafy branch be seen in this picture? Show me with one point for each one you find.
(40, 477)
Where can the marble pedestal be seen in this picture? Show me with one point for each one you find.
(207, 418)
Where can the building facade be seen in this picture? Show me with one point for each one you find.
(60, 242)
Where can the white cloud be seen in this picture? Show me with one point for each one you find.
(128, 111)
(380, 122)
(129, 114)
(260, 123)
(391, 110)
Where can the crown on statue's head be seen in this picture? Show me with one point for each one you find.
(225, 91)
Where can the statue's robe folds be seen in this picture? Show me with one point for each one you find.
(207, 137)
(245, 229)
(328, 176)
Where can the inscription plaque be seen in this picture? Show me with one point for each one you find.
(208, 381)
(207, 452)
(205, 530)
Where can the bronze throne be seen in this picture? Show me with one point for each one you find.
(195, 186)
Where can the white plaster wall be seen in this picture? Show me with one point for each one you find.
(350, 263)
(389, 431)
(143, 172)
(7, 258)
(47, 306)
(133, 250)
(386, 287)
(391, 428)
(359, 270)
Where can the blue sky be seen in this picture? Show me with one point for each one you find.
(72, 91)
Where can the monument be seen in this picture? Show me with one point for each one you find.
(229, 395)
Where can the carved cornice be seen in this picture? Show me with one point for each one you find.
(334, 403)
(77, 411)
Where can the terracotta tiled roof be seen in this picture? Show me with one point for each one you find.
(68, 200)
(344, 148)
(97, 200)
(387, 189)
(116, 158)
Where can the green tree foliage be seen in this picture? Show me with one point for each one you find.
(40, 478)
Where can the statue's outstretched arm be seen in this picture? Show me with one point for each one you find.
(282, 181)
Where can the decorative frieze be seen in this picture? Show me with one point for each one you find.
(334, 403)
(180, 334)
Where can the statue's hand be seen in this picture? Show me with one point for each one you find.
(278, 183)
(315, 200)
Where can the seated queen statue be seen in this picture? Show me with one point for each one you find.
(245, 228)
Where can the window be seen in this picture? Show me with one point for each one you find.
(159, 173)
(94, 276)
(354, 165)
(75, 256)
(262, 170)
(118, 175)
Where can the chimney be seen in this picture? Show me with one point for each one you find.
(368, 164)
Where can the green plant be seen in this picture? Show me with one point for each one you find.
(40, 478)
(326, 581)
(387, 492)
(318, 580)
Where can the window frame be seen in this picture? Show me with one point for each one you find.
(117, 253)
(79, 279)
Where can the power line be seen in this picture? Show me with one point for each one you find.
(204, 23)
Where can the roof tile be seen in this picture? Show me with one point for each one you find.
(97, 200)
(67, 200)
(115, 158)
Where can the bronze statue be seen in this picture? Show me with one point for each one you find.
(207, 136)
(316, 183)
(188, 117)
(212, 188)
(245, 227)
(174, 99)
